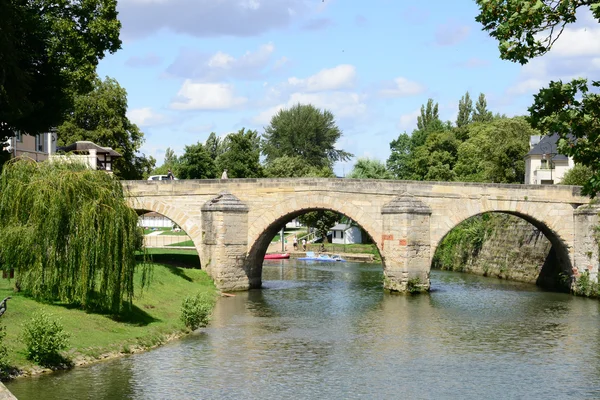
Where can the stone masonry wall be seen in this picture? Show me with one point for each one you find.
(515, 250)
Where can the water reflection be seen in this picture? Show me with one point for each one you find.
(330, 331)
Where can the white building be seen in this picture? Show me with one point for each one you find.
(154, 220)
(89, 153)
(346, 234)
(543, 164)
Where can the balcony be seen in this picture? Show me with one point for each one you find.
(544, 175)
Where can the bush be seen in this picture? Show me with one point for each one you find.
(3, 354)
(578, 175)
(195, 310)
(44, 339)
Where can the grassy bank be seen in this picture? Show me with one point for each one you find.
(346, 248)
(155, 315)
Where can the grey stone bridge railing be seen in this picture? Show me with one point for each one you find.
(231, 222)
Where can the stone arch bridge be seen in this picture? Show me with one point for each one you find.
(231, 222)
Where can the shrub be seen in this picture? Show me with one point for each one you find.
(578, 175)
(195, 310)
(3, 353)
(44, 339)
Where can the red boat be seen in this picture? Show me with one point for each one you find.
(277, 256)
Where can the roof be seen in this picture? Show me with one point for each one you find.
(340, 227)
(547, 145)
(84, 145)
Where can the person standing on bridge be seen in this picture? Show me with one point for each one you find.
(170, 175)
(295, 243)
(224, 175)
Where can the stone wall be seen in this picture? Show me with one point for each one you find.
(515, 250)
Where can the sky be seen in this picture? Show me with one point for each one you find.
(192, 67)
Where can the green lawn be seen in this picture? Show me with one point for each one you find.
(291, 231)
(187, 243)
(154, 315)
(346, 248)
(174, 233)
(150, 230)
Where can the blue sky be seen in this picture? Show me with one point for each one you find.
(191, 67)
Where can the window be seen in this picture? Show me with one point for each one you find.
(544, 164)
(19, 137)
(39, 142)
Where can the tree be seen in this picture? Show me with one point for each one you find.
(295, 167)
(399, 161)
(100, 116)
(171, 162)
(427, 122)
(495, 151)
(68, 233)
(573, 111)
(527, 29)
(321, 220)
(578, 175)
(481, 113)
(49, 50)
(428, 115)
(214, 145)
(366, 168)
(305, 131)
(241, 155)
(196, 163)
(465, 108)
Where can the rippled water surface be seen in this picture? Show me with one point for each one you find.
(328, 331)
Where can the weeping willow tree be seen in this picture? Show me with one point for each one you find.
(68, 233)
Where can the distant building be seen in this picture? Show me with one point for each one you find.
(346, 234)
(96, 157)
(37, 147)
(154, 220)
(543, 164)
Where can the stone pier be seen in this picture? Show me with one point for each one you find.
(405, 244)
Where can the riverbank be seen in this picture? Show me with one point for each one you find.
(154, 319)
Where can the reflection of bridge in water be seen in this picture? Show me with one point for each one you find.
(231, 222)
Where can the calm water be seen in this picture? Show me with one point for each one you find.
(328, 331)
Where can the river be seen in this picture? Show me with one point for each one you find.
(329, 331)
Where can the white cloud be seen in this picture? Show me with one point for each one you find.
(145, 117)
(341, 104)
(401, 87)
(265, 116)
(340, 77)
(206, 96)
(216, 67)
(527, 86)
(577, 42)
(409, 121)
(451, 33)
(210, 18)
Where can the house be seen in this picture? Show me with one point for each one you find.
(154, 220)
(37, 147)
(97, 157)
(543, 164)
(346, 234)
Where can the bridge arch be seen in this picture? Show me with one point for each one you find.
(267, 224)
(175, 214)
(560, 253)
